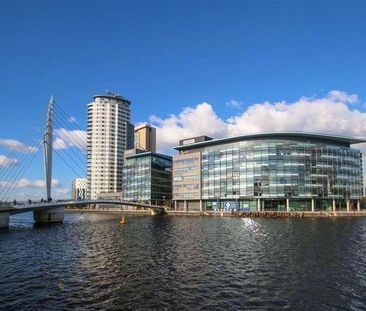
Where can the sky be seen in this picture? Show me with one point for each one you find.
(217, 68)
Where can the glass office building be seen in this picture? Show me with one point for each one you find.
(271, 171)
(147, 177)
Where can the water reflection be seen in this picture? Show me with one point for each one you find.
(172, 263)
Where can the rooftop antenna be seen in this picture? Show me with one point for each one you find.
(112, 93)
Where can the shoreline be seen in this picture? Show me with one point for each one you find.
(252, 214)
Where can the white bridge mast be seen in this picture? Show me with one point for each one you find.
(47, 147)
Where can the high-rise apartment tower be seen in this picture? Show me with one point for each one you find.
(108, 137)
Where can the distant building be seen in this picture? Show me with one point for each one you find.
(147, 177)
(145, 138)
(117, 196)
(107, 139)
(79, 189)
(187, 176)
(284, 171)
(130, 144)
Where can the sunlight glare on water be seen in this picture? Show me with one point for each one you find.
(183, 263)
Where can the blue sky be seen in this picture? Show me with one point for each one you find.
(167, 55)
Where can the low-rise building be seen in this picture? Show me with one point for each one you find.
(147, 177)
(187, 177)
(286, 171)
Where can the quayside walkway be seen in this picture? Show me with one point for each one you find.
(293, 214)
(245, 214)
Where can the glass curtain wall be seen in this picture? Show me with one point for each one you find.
(161, 179)
(137, 179)
(147, 178)
(275, 170)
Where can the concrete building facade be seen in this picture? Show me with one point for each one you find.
(145, 138)
(287, 171)
(107, 139)
(79, 189)
(187, 181)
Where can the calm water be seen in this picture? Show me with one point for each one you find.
(183, 263)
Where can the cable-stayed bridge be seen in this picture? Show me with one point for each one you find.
(11, 175)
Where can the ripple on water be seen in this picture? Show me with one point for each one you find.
(176, 263)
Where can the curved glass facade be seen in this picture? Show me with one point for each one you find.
(278, 169)
(266, 173)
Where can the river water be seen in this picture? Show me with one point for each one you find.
(91, 262)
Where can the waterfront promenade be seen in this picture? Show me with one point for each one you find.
(247, 214)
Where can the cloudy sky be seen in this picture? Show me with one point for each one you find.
(216, 68)
(332, 113)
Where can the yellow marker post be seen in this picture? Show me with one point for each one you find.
(123, 220)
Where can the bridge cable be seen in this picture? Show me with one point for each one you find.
(30, 135)
(14, 181)
(13, 154)
(64, 137)
(26, 157)
(21, 173)
(23, 150)
(67, 117)
(64, 119)
(12, 174)
(70, 157)
(77, 174)
(77, 141)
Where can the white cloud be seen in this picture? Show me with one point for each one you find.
(234, 104)
(62, 191)
(15, 145)
(69, 138)
(71, 119)
(35, 189)
(201, 120)
(343, 97)
(28, 183)
(5, 161)
(329, 114)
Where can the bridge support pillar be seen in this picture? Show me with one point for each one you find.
(4, 220)
(52, 215)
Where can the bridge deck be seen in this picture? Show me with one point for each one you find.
(18, 209)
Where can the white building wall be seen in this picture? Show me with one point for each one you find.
(107, 133)
(79, 188)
